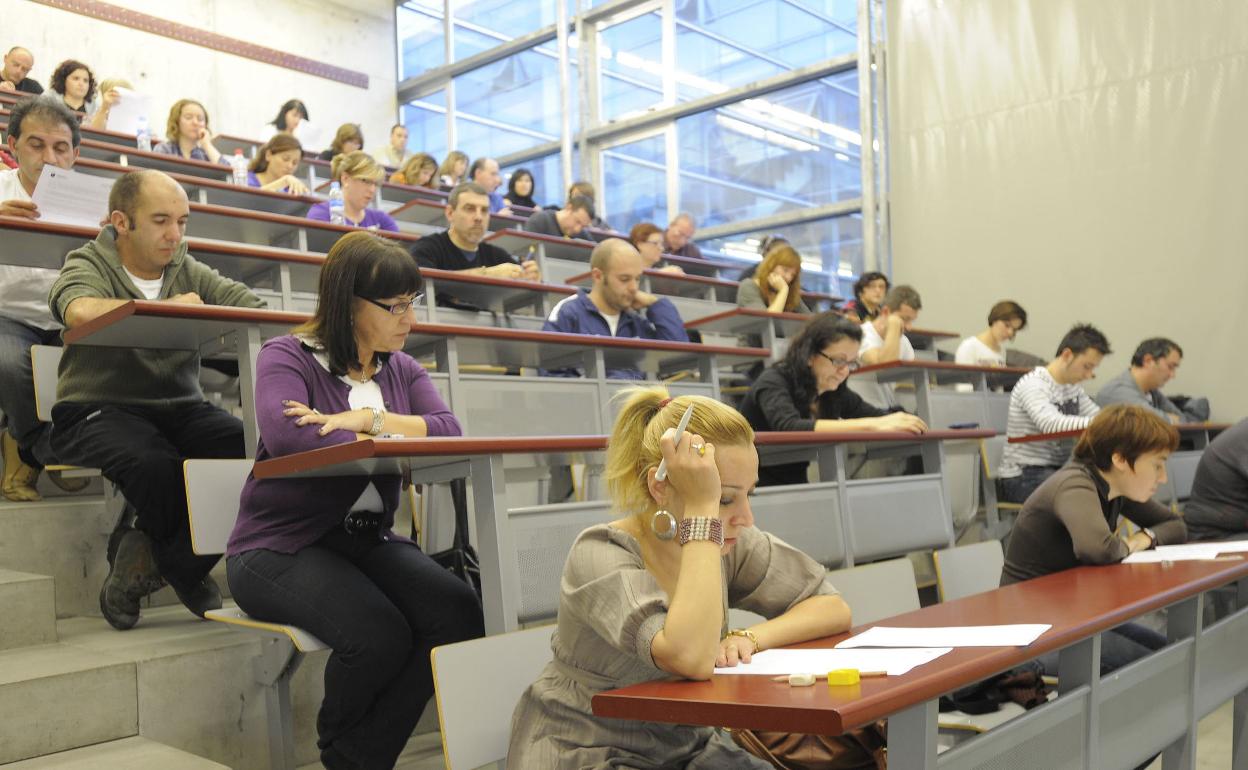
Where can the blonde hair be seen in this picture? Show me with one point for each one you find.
(358, 164)
(175, 114)
(787, 256)
(643, 418)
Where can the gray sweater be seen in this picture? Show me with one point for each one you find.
(1123, 389)
(134, 377)
(1218, 507)
(750, 295)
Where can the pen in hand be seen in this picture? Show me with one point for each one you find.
(661, 473)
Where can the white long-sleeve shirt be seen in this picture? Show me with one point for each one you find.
(1038, 404)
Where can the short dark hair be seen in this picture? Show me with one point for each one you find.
(866, 278)
(126, 193)
(902, 295)
(582, 203)
(397, 125)
(1157, 347)
(1126, 429)
(67, 68)
(360, 264)
(1007, 310)
(292, 104)
(465, 187)
(581, 187)
(1083, 337)
(48, 108)
(819, 332)
(477, 165)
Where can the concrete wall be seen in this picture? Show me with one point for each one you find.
(240, 94)
(1086, 159)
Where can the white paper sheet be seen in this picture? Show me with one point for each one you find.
(123, 117)
(895, 662)
(1017, 635)
(1187, 552)
(70, 198)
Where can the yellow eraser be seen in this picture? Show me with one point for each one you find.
(843, 676)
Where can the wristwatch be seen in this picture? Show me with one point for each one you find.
(379, 417)
(748, 634)
(1151, 536)
(701, 528)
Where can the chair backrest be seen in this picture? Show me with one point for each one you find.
(962, 470)
(543, 536)
(477, 685)
(45, 360)
(212, 491)
(1181, 472)
(968, 569)
(991, 450)
(879, 590)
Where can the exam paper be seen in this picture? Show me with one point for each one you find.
(1017, 635)
(1187, 552)
(123, 117)
(895, 662)
(70, 198)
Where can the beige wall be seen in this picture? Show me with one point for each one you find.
(1086, 159)
(240, 94)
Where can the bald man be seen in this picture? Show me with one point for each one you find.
(136, 414)
(18, 63)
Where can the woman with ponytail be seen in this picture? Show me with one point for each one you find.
(646, 596)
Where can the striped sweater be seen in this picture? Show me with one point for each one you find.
(1038, 404)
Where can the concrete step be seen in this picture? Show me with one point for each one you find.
(67, 538)
(27, 609)
(134, 753)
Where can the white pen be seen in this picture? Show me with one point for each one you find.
(661, 473)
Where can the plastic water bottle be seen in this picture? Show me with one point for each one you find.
(239, 164)
(143, 134)
(336, 214)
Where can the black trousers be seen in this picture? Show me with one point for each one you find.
(381, 606)
(141, 451)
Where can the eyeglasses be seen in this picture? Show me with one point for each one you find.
(398, 308)
(840, 363)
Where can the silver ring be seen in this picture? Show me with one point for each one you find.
(699, 448)
(316, 411)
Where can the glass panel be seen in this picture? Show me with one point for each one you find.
(505, 17)
(632, 76)
(420, 40)
(789, 149)
(832, 246)
(426, 125)
(510, 105)
(635, 183)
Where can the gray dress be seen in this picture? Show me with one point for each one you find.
(610, 610)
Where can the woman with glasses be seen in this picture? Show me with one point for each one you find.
(358, 175)
(807, 390)
(319, 553)
(648, 240)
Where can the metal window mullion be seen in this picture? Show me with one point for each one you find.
(783, 219)
(565, 95)
(448, 42)
(883, 246)
(667, 46)
(866, 128)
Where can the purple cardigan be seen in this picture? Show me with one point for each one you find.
(286, 515)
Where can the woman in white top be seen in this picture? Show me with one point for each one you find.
(1006, 319)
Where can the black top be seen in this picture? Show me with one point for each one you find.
(439, 252)
(30, 86)
(327, 155)
(1218, 507)
(776, 402)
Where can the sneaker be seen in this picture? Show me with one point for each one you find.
(19, 478)
(200, 597)
(134, 575)
(68, 483)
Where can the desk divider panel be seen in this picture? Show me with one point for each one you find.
(1144, 705)
(894, 516)
(1048, 738)
(952, 408)
(1181, 469)
(497, 405)
(1223, 674)
(806, 516)
(543, 536)
(998, 411)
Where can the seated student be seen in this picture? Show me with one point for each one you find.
(41, 132)
(678, 238)
(136, 414)
(613, 306)
(646, 596)
(188, 135)
(1049, 399)
(776, 284)
(808, 390)
(520, 190)
(987, 348)
(567, 222)
(290, 119)
(1154, 363)
(109, 97)
(452, 170)
(348, 139)
(358, 175)
(884, 338)
(18, 63)
(1071, 518)
(461, 248)
(274, 166)
(395, 153)
(647, 238)
(869, 291)
(74, 82)
(320, 553)
(587, 189)
(1218, 507)
(484, 173)
(419, 170)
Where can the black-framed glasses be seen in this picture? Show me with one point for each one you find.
(398, 308)
(840, 363)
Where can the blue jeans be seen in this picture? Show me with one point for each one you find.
(1017, 489)
(381, 606)
(17, 389)
(1119, 646)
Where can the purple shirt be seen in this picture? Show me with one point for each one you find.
(286, 515)
(372, 217)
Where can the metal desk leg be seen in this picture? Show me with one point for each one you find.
(495, 548)
(1183, 621)
(1239, 719)
(1080, 665)
(247, 339)
(833, 460)
(912, 738)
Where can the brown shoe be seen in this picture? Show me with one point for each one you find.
(134, 575)
(19, 478)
